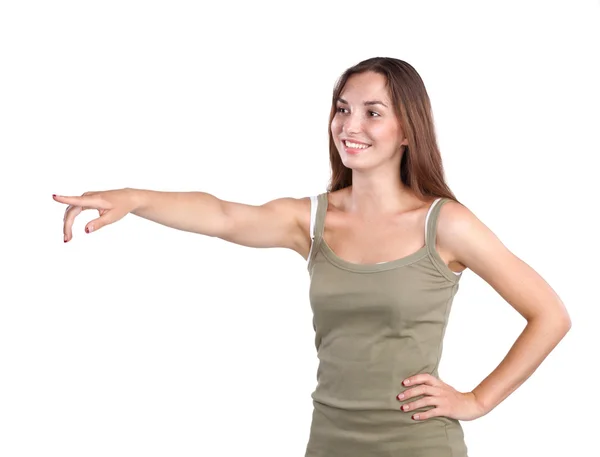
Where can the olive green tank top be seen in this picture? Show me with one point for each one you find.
(376, 324)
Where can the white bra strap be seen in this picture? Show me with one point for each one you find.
(313, 215)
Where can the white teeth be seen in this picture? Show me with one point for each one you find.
(356, 145)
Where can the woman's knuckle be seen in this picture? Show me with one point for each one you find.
(418, 404)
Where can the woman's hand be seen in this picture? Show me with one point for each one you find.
(112, 205)
(448, 402)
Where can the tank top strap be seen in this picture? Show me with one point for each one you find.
(431, 222)
(318, 206)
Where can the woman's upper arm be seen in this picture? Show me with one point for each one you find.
(473, 244)
(282, 222)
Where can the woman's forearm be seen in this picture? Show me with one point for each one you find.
(197, 212)
(537, 340)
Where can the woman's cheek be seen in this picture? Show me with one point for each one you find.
(336, 126)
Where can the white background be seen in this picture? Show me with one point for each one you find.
(140, 340)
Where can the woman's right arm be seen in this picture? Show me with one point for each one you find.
(282, 222)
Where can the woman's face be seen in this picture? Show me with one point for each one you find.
(365, 115)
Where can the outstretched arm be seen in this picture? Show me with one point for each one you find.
(279, 223)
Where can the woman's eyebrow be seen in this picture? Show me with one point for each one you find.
(367, 103)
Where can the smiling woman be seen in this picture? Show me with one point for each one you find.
(385, 245)
(389, 243)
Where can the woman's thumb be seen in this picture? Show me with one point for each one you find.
(95, 224)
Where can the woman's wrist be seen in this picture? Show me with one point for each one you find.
(138, 198)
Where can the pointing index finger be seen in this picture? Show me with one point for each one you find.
(88, 201)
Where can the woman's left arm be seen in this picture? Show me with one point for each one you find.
(474, 245)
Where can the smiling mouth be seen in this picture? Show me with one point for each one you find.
(354, 144)
(354, 148)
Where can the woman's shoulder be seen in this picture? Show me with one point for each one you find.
(460, 231)
(453, 217)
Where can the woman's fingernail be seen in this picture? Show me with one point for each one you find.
(65, 238)
(89, 229)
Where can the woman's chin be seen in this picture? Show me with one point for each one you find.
(354, 163)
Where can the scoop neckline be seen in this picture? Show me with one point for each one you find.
(367, 267)
(372, 267)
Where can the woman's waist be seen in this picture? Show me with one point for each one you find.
(366, 383)
(377, 418)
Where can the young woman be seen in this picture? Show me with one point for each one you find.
(386, 246)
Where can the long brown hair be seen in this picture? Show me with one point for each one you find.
(421, 168)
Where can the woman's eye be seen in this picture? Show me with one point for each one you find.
(340, 109)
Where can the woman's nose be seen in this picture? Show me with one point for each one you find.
(353, 124)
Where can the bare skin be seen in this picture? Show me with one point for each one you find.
(379, 238)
